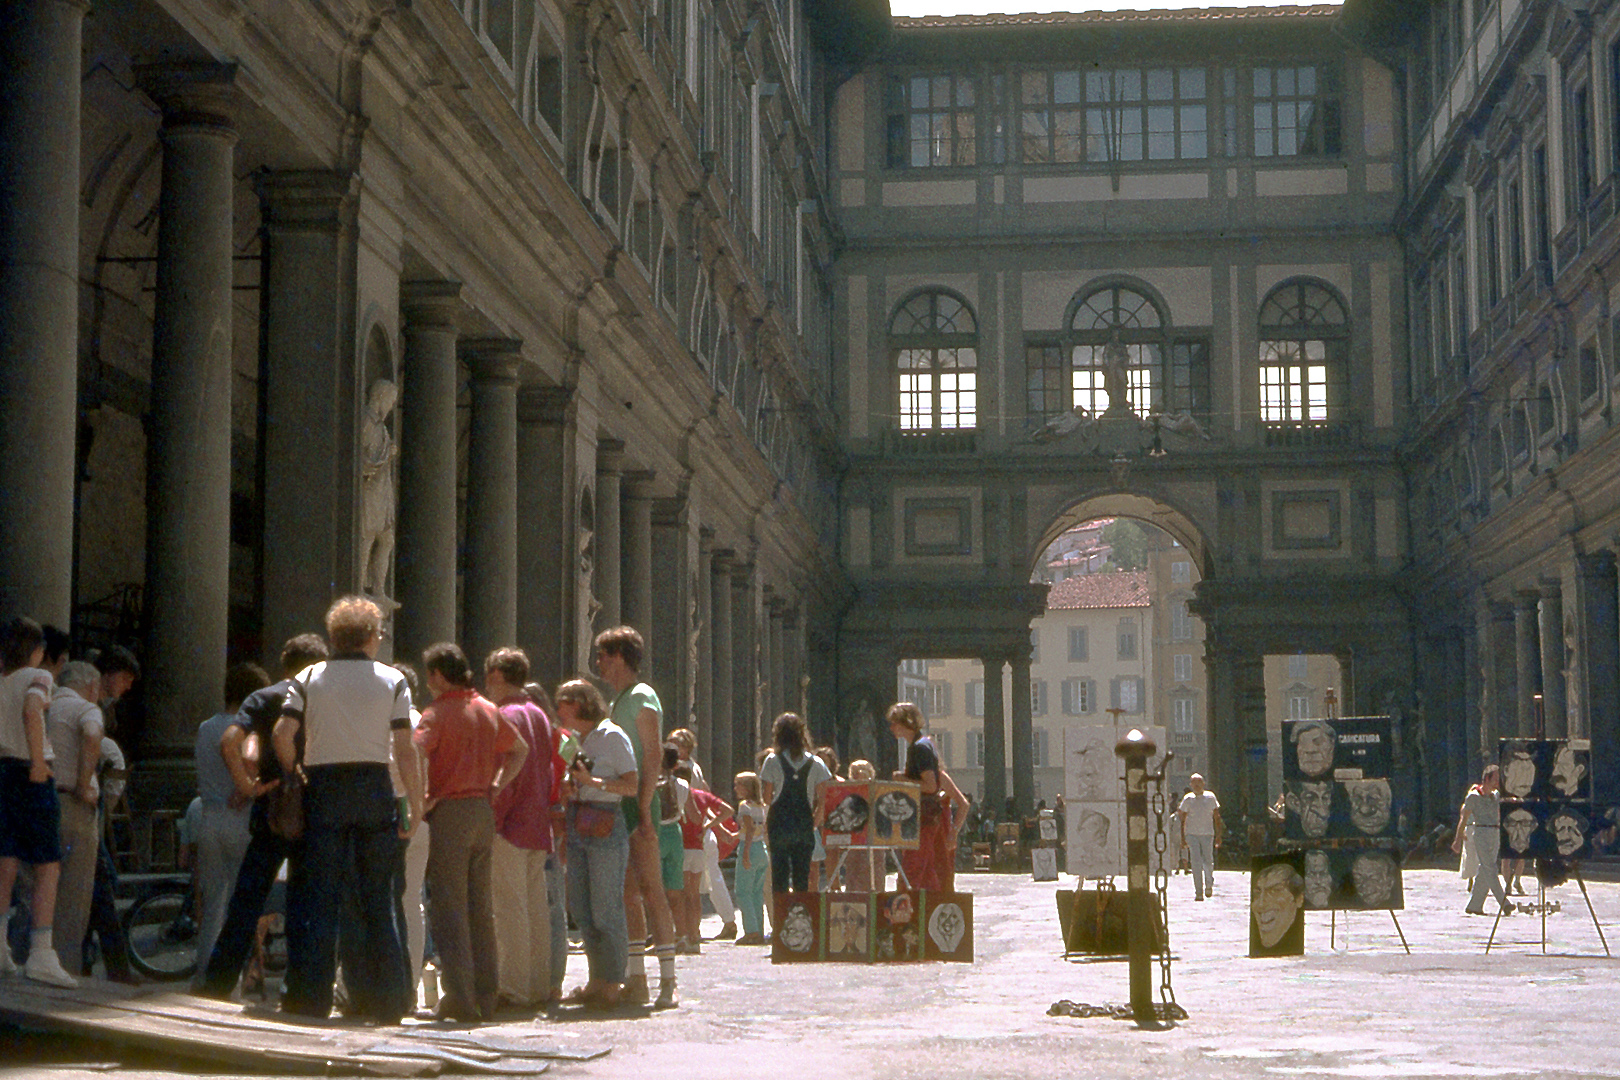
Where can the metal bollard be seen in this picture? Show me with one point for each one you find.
(1136, 747)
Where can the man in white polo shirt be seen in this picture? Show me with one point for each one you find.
(354, 713)
(1200, 817)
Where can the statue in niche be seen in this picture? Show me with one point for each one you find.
(1116, 358)
(377, 494)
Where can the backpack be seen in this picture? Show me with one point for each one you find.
(789, 814)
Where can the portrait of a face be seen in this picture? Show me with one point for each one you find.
(899, 909)
(1313, 748)
(846, 929)
(895, 816)
(1568, 772)
(1518, 828)
(1375, 876)
(1095, 776)
(1276, 897)
(1311, 801)
(1093, 849)
(1043, 864)
(1369, 806)
(1318, 880)
(849, 815)
(798, 932)
(1519, 775)
(1568, 828)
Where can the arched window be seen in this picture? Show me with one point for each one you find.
(1304, 341)
(1165, 370)
(935, 341)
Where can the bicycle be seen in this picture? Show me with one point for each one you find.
(161, 928)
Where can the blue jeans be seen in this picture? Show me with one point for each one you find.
(596, 898)
(351, 850)
(257, 876)
(751, 888)
(557, 898)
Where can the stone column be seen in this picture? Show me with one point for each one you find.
(781, 700)
(1599, 636)
(1498, 714)
(995, 738)
(703, 682)
(793, 633)
(547, 548)
(1527, 653)
(1249, 677)
(425, 567)
(750, 729)
(1225, 771)
(1551, 626)
(188, 458)
(40, 72)
(311, 395)
(1022, 736)
(489, 616)
(636, 588)
(670, 602)
(724, 735)
(609, 534)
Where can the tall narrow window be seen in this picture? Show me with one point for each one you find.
(1543, 211)
(934, 337)
(1304, 336)
(1515, 230)
(1489, 259)
(1580, 138)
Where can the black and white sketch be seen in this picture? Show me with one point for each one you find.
(1519, 828)
(896, 814)
(1569, 829)
(846, 933)
(1570, 776)
(1043, 863)
(1375, 881)
(1319, 880)
(1369, 802)
(949, 921)
(1308, 749)
(1095, 847)
(1309, 808)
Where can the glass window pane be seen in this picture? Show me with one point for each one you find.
(919, 93)
(1262, 82)
(1099, 86)
(964, 92)
(1161, 84)
(966, 144)
(1263, 138)
(1285, 82)
(939, 91)
(1128, 85)
(1192, 82)
(1098, 138)
(1066, 87)
(1307, 81)
(1032, 86)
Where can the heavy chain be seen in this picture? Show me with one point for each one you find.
(1161, 881)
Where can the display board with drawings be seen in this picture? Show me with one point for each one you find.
(1340, 815)
(1336, 779)
(1094, 794)
(880, 813)
(1546, 798)
(874, 927)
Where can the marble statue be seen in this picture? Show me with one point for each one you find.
(377, 493)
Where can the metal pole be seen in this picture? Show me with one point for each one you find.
(1135, 747)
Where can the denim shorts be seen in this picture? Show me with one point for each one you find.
(30, 816)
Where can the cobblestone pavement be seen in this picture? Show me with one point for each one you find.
(1364, 1009)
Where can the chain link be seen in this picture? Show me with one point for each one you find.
(1161, 881)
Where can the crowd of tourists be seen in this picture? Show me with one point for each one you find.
(388, 817)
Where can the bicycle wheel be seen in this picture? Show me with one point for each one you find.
(162, 935)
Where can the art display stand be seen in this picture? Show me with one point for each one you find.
(1541, 907)
(890, 854)
(1333, 929)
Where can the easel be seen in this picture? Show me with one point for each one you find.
(1333, 928)
(871, 867)
(1541, 906)
(1541, 886)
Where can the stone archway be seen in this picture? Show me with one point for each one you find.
(1172, 519)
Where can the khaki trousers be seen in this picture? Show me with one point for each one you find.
(522, 922)
(461, 912)
(80, 841)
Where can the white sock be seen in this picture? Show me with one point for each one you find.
(635, 965)
(39, 942)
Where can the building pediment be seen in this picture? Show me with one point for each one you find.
(1479, 165)
(1528, 101)
(1571, 32)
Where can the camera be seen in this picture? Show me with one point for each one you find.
(583, 761)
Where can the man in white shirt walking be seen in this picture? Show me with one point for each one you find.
(1200, 817)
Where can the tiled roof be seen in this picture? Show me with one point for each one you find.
(1110, 18)
(1123, 589)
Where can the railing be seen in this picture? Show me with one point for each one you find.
(931, 442)
(1310, 435)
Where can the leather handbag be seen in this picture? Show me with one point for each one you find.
(285, 809)
(595, 820)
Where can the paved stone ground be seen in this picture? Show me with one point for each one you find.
(1365, 1009)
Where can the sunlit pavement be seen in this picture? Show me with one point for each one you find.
(1362, 1009)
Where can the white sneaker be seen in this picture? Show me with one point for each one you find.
(8, 966)
(43, 966)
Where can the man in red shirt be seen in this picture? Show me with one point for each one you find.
(522, 840)
(472, 753)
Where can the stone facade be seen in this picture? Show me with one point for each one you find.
(760, 327)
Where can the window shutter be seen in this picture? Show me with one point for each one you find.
(1113, 693)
